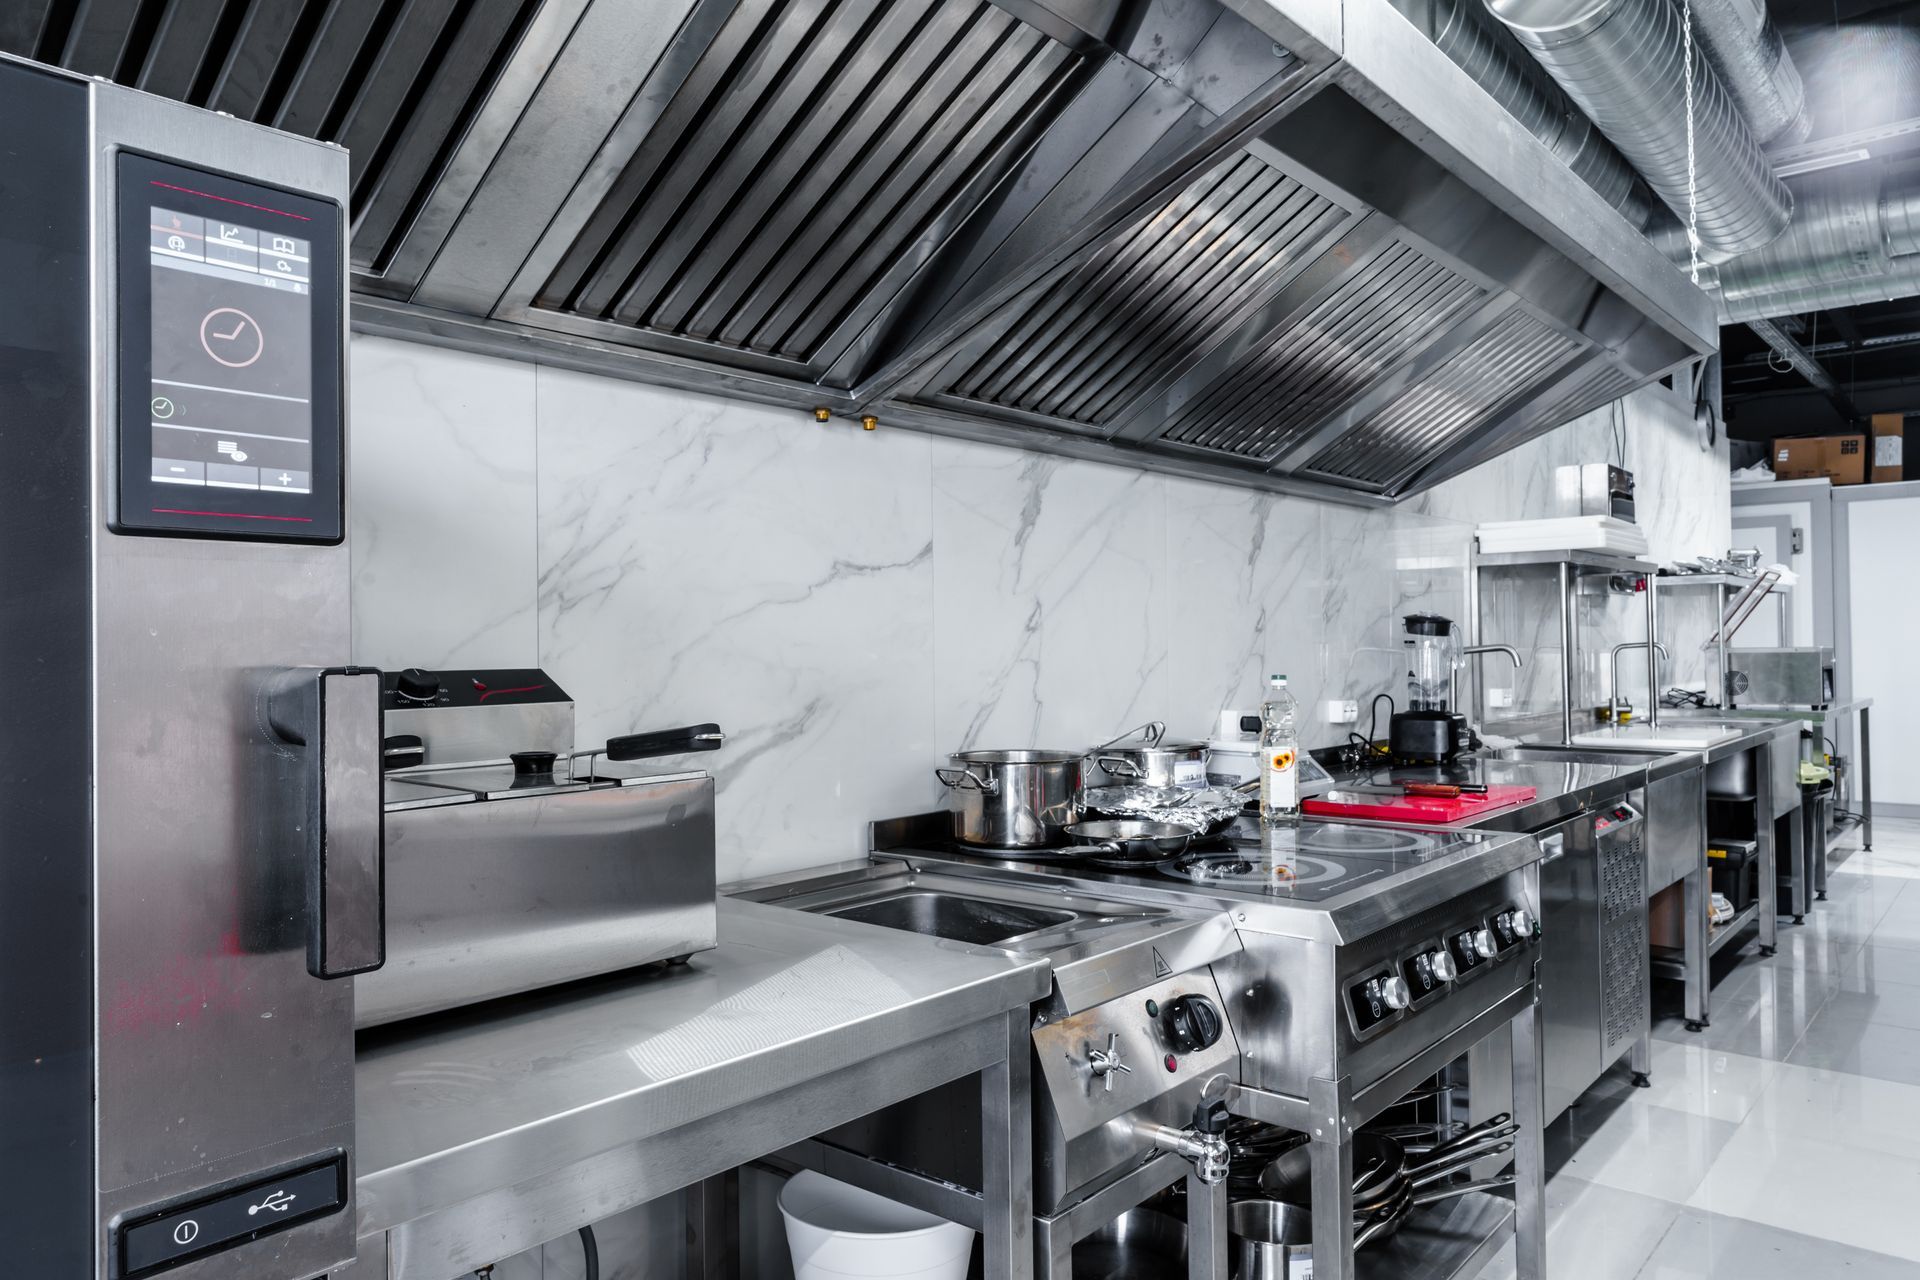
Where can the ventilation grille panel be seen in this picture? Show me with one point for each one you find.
(396, 84)
(1152, 300)
(1517, 352)
(1623, 945)
(806, 167)
(1378, 317)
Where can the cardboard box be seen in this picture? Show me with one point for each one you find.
(1841, 459)
(1889, 448)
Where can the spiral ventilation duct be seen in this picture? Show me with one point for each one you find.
(1855, 239)
(1483, 49)
(1745, 49)
(1622, 62)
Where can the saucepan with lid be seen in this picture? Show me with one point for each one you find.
(1144, 756)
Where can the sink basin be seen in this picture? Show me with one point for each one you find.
(978, 921)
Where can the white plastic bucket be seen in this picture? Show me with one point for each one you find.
(835, 1230)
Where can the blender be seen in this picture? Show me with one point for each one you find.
(1429, 731)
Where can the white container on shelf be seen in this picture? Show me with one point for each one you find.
(836, 1230)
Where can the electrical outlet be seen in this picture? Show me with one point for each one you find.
(1499, 697)
(1340, 711)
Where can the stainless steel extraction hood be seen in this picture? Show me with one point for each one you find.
(1286, 244)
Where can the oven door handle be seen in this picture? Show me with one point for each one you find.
(332, 714)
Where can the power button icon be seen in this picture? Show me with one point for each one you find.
(186, 1231)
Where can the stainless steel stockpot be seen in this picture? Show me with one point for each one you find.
(1013, 799)
(1153, 761)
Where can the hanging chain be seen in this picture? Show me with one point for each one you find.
(1693, 217)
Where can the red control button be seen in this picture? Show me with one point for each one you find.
(1173, 1063)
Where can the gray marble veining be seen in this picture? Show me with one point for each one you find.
(851, 606)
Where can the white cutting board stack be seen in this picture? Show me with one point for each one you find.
(1562, 533)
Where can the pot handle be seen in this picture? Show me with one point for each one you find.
(1461, 1188)
(1384, 1218)
(967, 780)
(1152, 731)
(1119, 766)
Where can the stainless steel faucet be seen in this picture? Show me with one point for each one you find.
(1653, 689)
(1475, 651)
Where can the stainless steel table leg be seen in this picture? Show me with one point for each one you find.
(1006, 1158)
(1529, 1148)
(1053, 1253)
(1769, 870)
(1332, 1151)
(1802, 858)
(1694, 930)
(713, 1227)
(1640, 1062)
(1206, 1230)
(1866, 780)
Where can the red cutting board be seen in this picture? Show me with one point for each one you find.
(1433, 809)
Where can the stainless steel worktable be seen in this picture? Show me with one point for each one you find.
(1773, 744)
(484, 1133)
(1822, 717)
(1562, 787)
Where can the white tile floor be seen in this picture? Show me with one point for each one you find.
(1783, 1143)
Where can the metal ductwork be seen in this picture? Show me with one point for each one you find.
(1485, 51)
(1623, 63)
(1745, 49)
(1282, 244)
(1900, 280)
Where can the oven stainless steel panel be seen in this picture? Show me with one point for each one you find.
(219, 1056)
(621, 875)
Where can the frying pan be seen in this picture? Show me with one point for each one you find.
(1127, 842)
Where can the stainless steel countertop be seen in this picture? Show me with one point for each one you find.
(1562, 787)
(1806, 715)
(1749, 732)
(475, 1101)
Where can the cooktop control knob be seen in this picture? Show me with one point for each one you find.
(1485, 945)
(1192, 1023)
(1392, 992)
(1516, 924)
(416, 685)
(1441, 965)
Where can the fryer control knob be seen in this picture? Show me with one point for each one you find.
(1516, 922)
(1484, 944)
(1392, 992)
(1441, 966)
(1192, 1023)
(415, 685)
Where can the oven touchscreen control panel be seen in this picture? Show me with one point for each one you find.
(229, 423)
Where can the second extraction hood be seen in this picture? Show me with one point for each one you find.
(1285, 244)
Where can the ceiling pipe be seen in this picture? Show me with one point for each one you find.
(1902, 280)
(1621, 61)
(1848, 226)
(1745, 48)
(1806, 366)
(1484, 50)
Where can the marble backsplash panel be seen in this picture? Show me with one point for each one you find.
(708, 561)
(851, 606)
(442, 477)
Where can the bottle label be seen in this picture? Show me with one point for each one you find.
(1282, 781)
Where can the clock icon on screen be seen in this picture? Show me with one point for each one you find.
(232, 337)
